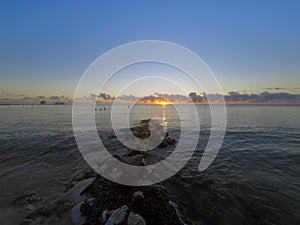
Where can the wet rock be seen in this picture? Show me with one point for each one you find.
(74, 195)
(163, 144)
(135, 152)
(143, 132)
(118, 216)
(156, 209)
(145, 121)
(136, 160)
(76, 217)
(135, 219)
(170, 141)
(31, 207)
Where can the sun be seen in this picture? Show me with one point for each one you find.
(164, 103)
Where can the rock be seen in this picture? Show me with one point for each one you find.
(163, 144)
(137, 160)
(145, 121)
(144, 131)
(170, 141)
(74, 195)
(132, 152)
(31, 207)
(118, 216)
(76, 216)
(135, 219)
(138, 194)
(155, 210)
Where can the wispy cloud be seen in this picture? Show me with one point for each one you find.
(276, 88)
(266, 96)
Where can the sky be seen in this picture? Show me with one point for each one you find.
(45, 46)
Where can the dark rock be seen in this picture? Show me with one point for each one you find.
(163, 144)
(74, 195)
(170, 141)
(132, 152)
(156, 209)
(145, 121)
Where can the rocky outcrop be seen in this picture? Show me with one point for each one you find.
(157, 208)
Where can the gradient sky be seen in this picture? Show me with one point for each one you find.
(45, 46)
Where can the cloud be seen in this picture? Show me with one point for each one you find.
(54, 98)
(197, 98)
(276, 88)
(105, 96)
(267, 97)
(92, 97)
(126, 98)
(262, 97)
(100, 97)
(173, 97)
(176, 98)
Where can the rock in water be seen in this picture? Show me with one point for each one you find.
(156, 208)
(118, 216)
(76, 216)
(135, 219)
(74, 195)
(137, 160)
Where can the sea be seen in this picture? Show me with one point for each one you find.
(254, 179)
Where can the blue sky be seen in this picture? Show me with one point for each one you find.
(45, 46)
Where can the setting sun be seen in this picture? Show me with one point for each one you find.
(163, 102)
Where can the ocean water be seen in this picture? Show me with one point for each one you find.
(255, 178)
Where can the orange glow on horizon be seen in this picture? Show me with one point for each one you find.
(163, 102)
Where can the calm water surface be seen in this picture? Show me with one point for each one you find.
(254, 179)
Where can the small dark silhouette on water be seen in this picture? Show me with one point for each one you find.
(100, 109)
(59, 103)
